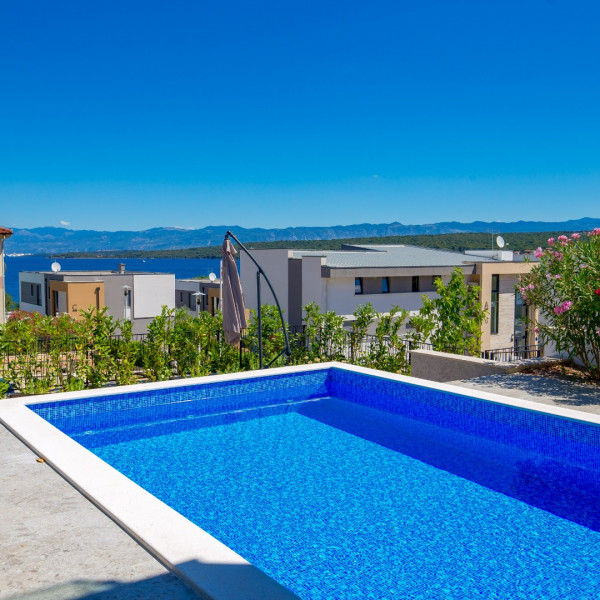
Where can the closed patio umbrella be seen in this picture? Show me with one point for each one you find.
(234, 313)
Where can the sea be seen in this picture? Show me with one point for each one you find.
(183, 268)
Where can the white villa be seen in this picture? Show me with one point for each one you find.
(341, 280)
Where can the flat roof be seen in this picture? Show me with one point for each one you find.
(97, 273)
(392, 256)
(200, 280)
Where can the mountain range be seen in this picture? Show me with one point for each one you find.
(49, 240)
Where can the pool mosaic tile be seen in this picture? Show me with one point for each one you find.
(345, 485)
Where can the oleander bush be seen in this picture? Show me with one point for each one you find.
(565, 289)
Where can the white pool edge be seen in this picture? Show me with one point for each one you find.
(215, 571)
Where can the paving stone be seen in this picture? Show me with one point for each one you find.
(547, 390)
(55, 544)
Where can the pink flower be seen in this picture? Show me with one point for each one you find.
(557, 277)
(597, 292)
(563, 308)
(575, 236)
(548, 276)
(595, 231)
(538, 252)
(551, 241)
(563, 239)
(558, 255)
(531, 286)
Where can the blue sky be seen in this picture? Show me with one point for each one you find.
(131, 115)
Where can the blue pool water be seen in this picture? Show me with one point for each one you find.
(340, 485)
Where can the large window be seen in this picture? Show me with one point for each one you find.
(415, 284)
(385, 285)
(495, 304)
(358, 285)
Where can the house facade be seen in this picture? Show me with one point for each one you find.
(196, 295)
(131, 295)
(389, 276)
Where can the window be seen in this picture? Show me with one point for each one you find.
(415, 283)
(358, 285)
(385, 285)
(31, 293)
(495, 303)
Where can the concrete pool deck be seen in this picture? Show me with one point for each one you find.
(536, 388)
(58, 545)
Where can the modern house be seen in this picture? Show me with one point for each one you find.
(5, 233)
(133, 295)
(385, 276)
(198, 295)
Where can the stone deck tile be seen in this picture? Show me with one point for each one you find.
(546, 390)
(55, 544)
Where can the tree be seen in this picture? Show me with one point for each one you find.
(452, 321)
(565, 287)
(9, 303)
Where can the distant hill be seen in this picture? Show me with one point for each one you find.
(523, 243)
(57, 240)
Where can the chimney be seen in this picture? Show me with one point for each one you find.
(121, 267)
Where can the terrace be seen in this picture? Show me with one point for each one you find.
(57, 544)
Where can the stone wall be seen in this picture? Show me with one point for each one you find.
(442, 366)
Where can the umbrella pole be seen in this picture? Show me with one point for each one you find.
(260, 348)
(260, 272)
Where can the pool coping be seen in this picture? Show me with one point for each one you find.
(212, 569)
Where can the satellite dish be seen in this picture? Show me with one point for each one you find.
(500, 242)
(55, 267)
(212, 276)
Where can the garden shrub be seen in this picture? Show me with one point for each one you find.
(565, 288)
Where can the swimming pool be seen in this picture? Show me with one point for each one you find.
(337, 482)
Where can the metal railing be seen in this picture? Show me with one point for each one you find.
(509, 354)
(61, 358)
(56, 356)
(512, 354)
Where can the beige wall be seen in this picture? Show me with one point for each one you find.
(508, 272)
(81, 295)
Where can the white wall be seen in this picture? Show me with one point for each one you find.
(151, 292)
(274, 263)
(342, 299)
(505, 255)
